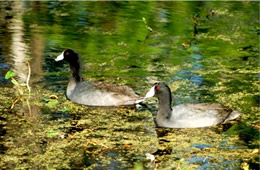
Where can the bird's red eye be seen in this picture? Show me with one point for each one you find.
(67, 53)
(157, 88)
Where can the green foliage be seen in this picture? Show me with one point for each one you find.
(146, 25)
(9, 75)
(52, 132)
(138, 165)
(21, 90)
(51, 102)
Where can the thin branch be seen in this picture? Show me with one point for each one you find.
(29, 89)
(28, 77)
(14, 102)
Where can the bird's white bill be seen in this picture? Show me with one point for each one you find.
(60, 57)
(150, 93)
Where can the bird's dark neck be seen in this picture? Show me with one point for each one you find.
(165, 105)
(75, 68)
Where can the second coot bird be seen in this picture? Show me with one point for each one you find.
(187, 115)
(94, 93)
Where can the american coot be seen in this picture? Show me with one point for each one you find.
(187, 115)
(94, 93)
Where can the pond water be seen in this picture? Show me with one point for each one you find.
(205, 51)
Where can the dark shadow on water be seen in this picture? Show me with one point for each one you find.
(3, 69)
(3, 148)
(60, 115)
(246, 133)
(161, 152)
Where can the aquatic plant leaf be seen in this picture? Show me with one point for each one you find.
(245, 166)
(52, 103)
(9, 74)
(52, 133)
(138, 165)
(66, 110)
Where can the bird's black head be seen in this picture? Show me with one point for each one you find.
(68, 55)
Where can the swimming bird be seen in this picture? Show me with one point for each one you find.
(187, 115)
(94, 93)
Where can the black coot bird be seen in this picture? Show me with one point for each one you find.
(187, 115)
(94, 93)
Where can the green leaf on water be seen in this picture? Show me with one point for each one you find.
(66, 110)
(52, 103)
(138, 165)
(52, 133)
(9, 74)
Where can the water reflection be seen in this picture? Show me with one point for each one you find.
(18, 46)
(219, 57)
(4, 40)
(21, 48)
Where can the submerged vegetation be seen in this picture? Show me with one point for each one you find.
(205, 52)
(72, 136)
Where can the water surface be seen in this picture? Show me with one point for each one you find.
(205, 51)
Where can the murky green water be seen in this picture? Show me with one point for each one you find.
(205, 51)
